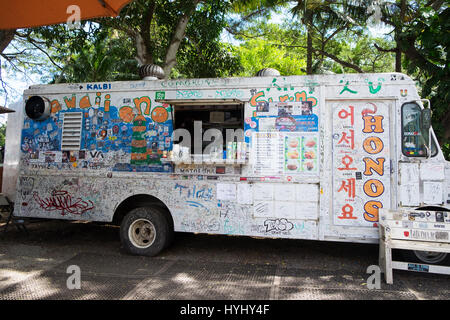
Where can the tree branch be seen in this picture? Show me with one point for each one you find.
(178, 35)
(237, 33)
(342, 62)
(408, 48)
(6, 37)
(384, 50)
(329, 55)
(44, 52)
(145, 32)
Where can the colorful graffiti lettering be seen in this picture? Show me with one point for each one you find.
(373, 145)
(283, 87)
(372, 89)
(160, 115)
(346, 88)
(128, 114)
(296, 97)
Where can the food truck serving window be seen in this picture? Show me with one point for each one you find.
(414, 141)
(196, 118)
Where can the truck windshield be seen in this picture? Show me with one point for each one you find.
(414, 139)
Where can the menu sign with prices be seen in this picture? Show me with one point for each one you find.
(285, 153)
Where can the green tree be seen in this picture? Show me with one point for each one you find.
(2, 134)
(105, 58)
(256, 54)
(425, 42)
(361, 52)
(160, 29)
(181, 36)
(324, 20)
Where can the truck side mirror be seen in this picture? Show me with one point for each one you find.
(426, 119)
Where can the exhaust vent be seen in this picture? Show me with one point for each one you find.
(268, 72)
(37, 108)
(71, 131)
(151, 72)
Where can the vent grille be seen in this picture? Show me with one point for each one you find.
(71, 131)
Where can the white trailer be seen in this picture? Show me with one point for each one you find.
(320, 155)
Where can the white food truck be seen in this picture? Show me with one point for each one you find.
(301, 157)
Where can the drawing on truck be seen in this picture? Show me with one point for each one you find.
(301, 157)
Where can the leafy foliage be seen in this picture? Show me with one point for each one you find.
(105, 58)
(425, 42)
(2, 134)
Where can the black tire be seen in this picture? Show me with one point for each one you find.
(423, 257)
(145, 231)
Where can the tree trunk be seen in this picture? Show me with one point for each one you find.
(6, 37)
(180, 30)
(143, 54)
(398, 30)
(309, 52)
(309, 44)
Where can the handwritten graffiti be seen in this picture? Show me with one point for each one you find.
(195, 192)
(189, 94)
(232, 227)
(63, 202)
(233, 211)
(201, 207)
(210, 82)
(229, 93)
(206, 226)
(278, 225)
(26, 185)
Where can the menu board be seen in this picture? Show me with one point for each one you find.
(267, 148)
(285, 153)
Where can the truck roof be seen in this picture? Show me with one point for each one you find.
(211, 83)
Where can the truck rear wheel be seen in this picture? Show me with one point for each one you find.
(145, 231)
(427, 257)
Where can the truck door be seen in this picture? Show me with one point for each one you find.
(360, 163)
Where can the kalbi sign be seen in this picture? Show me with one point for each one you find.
(360, 157)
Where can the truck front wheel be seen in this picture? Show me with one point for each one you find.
(145, 231)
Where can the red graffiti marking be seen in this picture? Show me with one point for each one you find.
(367, 111)
(61, 200)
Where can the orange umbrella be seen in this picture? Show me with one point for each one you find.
(16, 14)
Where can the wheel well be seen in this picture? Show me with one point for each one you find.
(136, 201)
